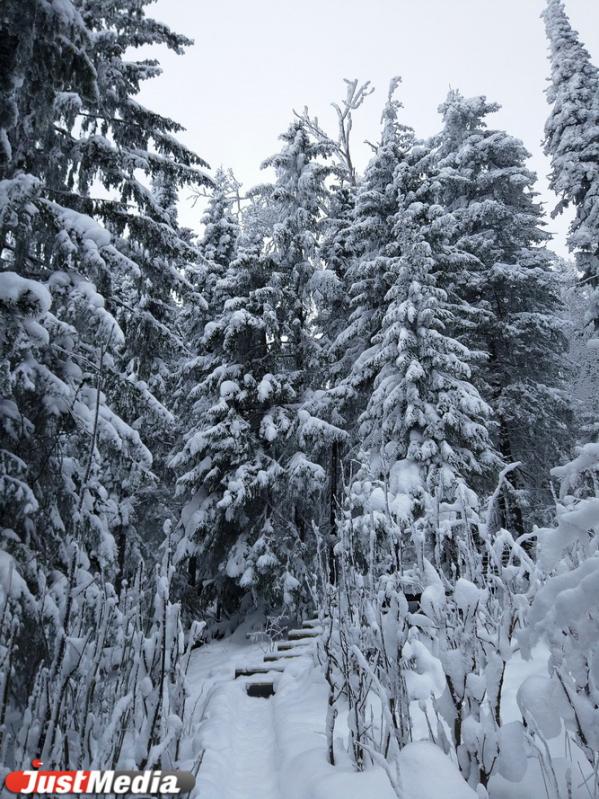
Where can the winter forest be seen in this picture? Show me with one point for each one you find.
(336, 445)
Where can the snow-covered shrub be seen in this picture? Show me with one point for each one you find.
(361, 653)
(565, 614)
(111, 687)
(472, 636)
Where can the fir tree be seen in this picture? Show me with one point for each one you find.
(425, 430)
(251, 453)
(229, 462)
(509, 290)
(295, 201)
(119, 141)
(358, 247)
(373, 244)
(87, 285)
(331, 283)
(572, 139)
(221, 228)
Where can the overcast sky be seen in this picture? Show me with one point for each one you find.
(254, 61)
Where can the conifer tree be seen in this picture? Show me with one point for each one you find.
(424, 431)
(230, 461)
(295, 201)
(509, 289)
(251, 455)
(221, 228)
(87, 285)
(61, 341)
(572, 139)
(331, 283)
(373, 244)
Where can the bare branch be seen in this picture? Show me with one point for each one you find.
(355, 95)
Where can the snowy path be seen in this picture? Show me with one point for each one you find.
(276, 748)
(241, 760)
(254, 765)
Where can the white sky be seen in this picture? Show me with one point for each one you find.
(253, 61)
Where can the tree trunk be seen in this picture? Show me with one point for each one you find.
(192, 567)
(121, 543)
(333, 513)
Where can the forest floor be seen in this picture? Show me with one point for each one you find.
(275, 748)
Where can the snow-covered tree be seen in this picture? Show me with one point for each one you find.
(221, 230)
(133, 152)
(229, 459)
(572, 139)
(87, 286)
(424, 432)
(60, 341)
(330, 284)
(372, 243)
(508, 285)
(250, 458)
(296, 200)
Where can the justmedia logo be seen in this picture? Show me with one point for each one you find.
(97, 781)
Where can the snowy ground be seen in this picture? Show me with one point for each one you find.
(275, 748)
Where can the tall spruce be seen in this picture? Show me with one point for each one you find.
(246, 464)
(296, 200)
(425, 430)
(227, 463)
(508, 284)
(87, 284)
(572, 140)
(372, 243)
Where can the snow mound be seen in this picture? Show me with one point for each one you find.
(427, 773)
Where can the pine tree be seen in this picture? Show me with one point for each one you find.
(572, 139)
(509, 288)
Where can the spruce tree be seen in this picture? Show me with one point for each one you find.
(509, 289)
(331, 283)
(230, 460)
(425, 430)
(61, 340)
(258, 437)
(221, 228)
(358, 246)
(87, 286)
(295, 201)
(373, 244)
(132, 151)
(572, 139)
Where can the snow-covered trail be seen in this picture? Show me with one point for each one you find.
(254, 771)
(237, 732)
(275, 748)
